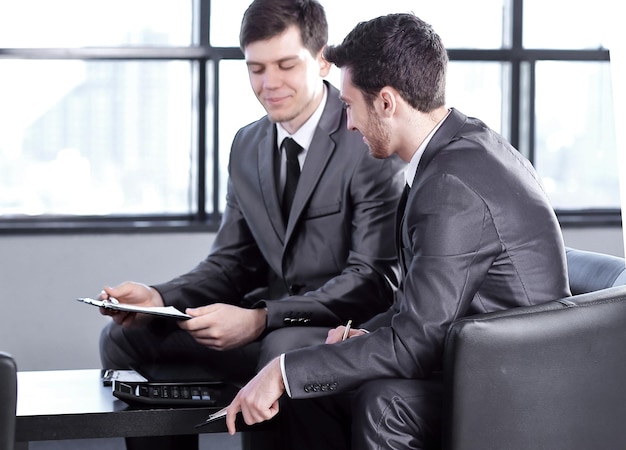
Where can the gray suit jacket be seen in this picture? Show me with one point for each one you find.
(335, 260)
(478, 234)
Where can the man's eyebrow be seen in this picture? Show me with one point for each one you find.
(280, 61)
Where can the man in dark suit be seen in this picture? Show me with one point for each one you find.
(274, 282)
(476, 234)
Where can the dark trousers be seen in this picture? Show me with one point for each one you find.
(389, 414)
(162, 351)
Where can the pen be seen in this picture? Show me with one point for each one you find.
(347, 330)
(216, 415)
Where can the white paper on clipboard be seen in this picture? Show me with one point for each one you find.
(162, 311)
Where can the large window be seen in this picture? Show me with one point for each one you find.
(120, 114)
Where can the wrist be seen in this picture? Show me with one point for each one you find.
(279, 374)
(155, 297)
(260, 320)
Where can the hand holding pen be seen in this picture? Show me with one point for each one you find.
(346, 332)
(342, 333)
(335, 335)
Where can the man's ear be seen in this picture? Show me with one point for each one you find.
(325, 66)
(387, 101)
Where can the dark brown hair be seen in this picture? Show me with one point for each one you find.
(265, 19)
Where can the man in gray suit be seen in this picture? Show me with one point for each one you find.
(476, 234)
(271, 282)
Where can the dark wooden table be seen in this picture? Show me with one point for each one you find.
(73, 404)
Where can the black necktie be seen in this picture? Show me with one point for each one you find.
(403, 198)
(292, 149)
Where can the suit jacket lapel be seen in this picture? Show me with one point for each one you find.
(444, 135)
(399, 228)
(266, 152)
(318, 155)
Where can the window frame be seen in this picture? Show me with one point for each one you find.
(207, 59)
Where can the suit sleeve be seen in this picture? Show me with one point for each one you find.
(366, 284)
(450, 242)
(233, 268)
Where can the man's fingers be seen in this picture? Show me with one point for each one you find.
(200, 310)
(273, 410)
(250, 416)
(335, 335)
(231, 415)
(258, 414)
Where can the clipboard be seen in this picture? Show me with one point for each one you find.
(161, 311)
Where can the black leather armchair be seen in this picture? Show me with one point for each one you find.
(8, 400)
(547, 377)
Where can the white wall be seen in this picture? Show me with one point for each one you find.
(41, 323)
(44, 327)
(604, 240)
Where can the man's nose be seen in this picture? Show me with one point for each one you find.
(349, 122)
(273, 78)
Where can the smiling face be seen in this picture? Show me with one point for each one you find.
(362, 116)
(286, 78)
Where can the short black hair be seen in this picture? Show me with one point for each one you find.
(397, 50)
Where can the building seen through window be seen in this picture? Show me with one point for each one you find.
(131, 116)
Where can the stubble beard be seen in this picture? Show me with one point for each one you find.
(379, 139)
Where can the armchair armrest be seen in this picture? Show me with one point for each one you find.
(549, 376)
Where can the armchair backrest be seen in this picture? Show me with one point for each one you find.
(592, 271)
(8, 401)
(550, 376)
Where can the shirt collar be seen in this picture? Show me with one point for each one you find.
(411, 169)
